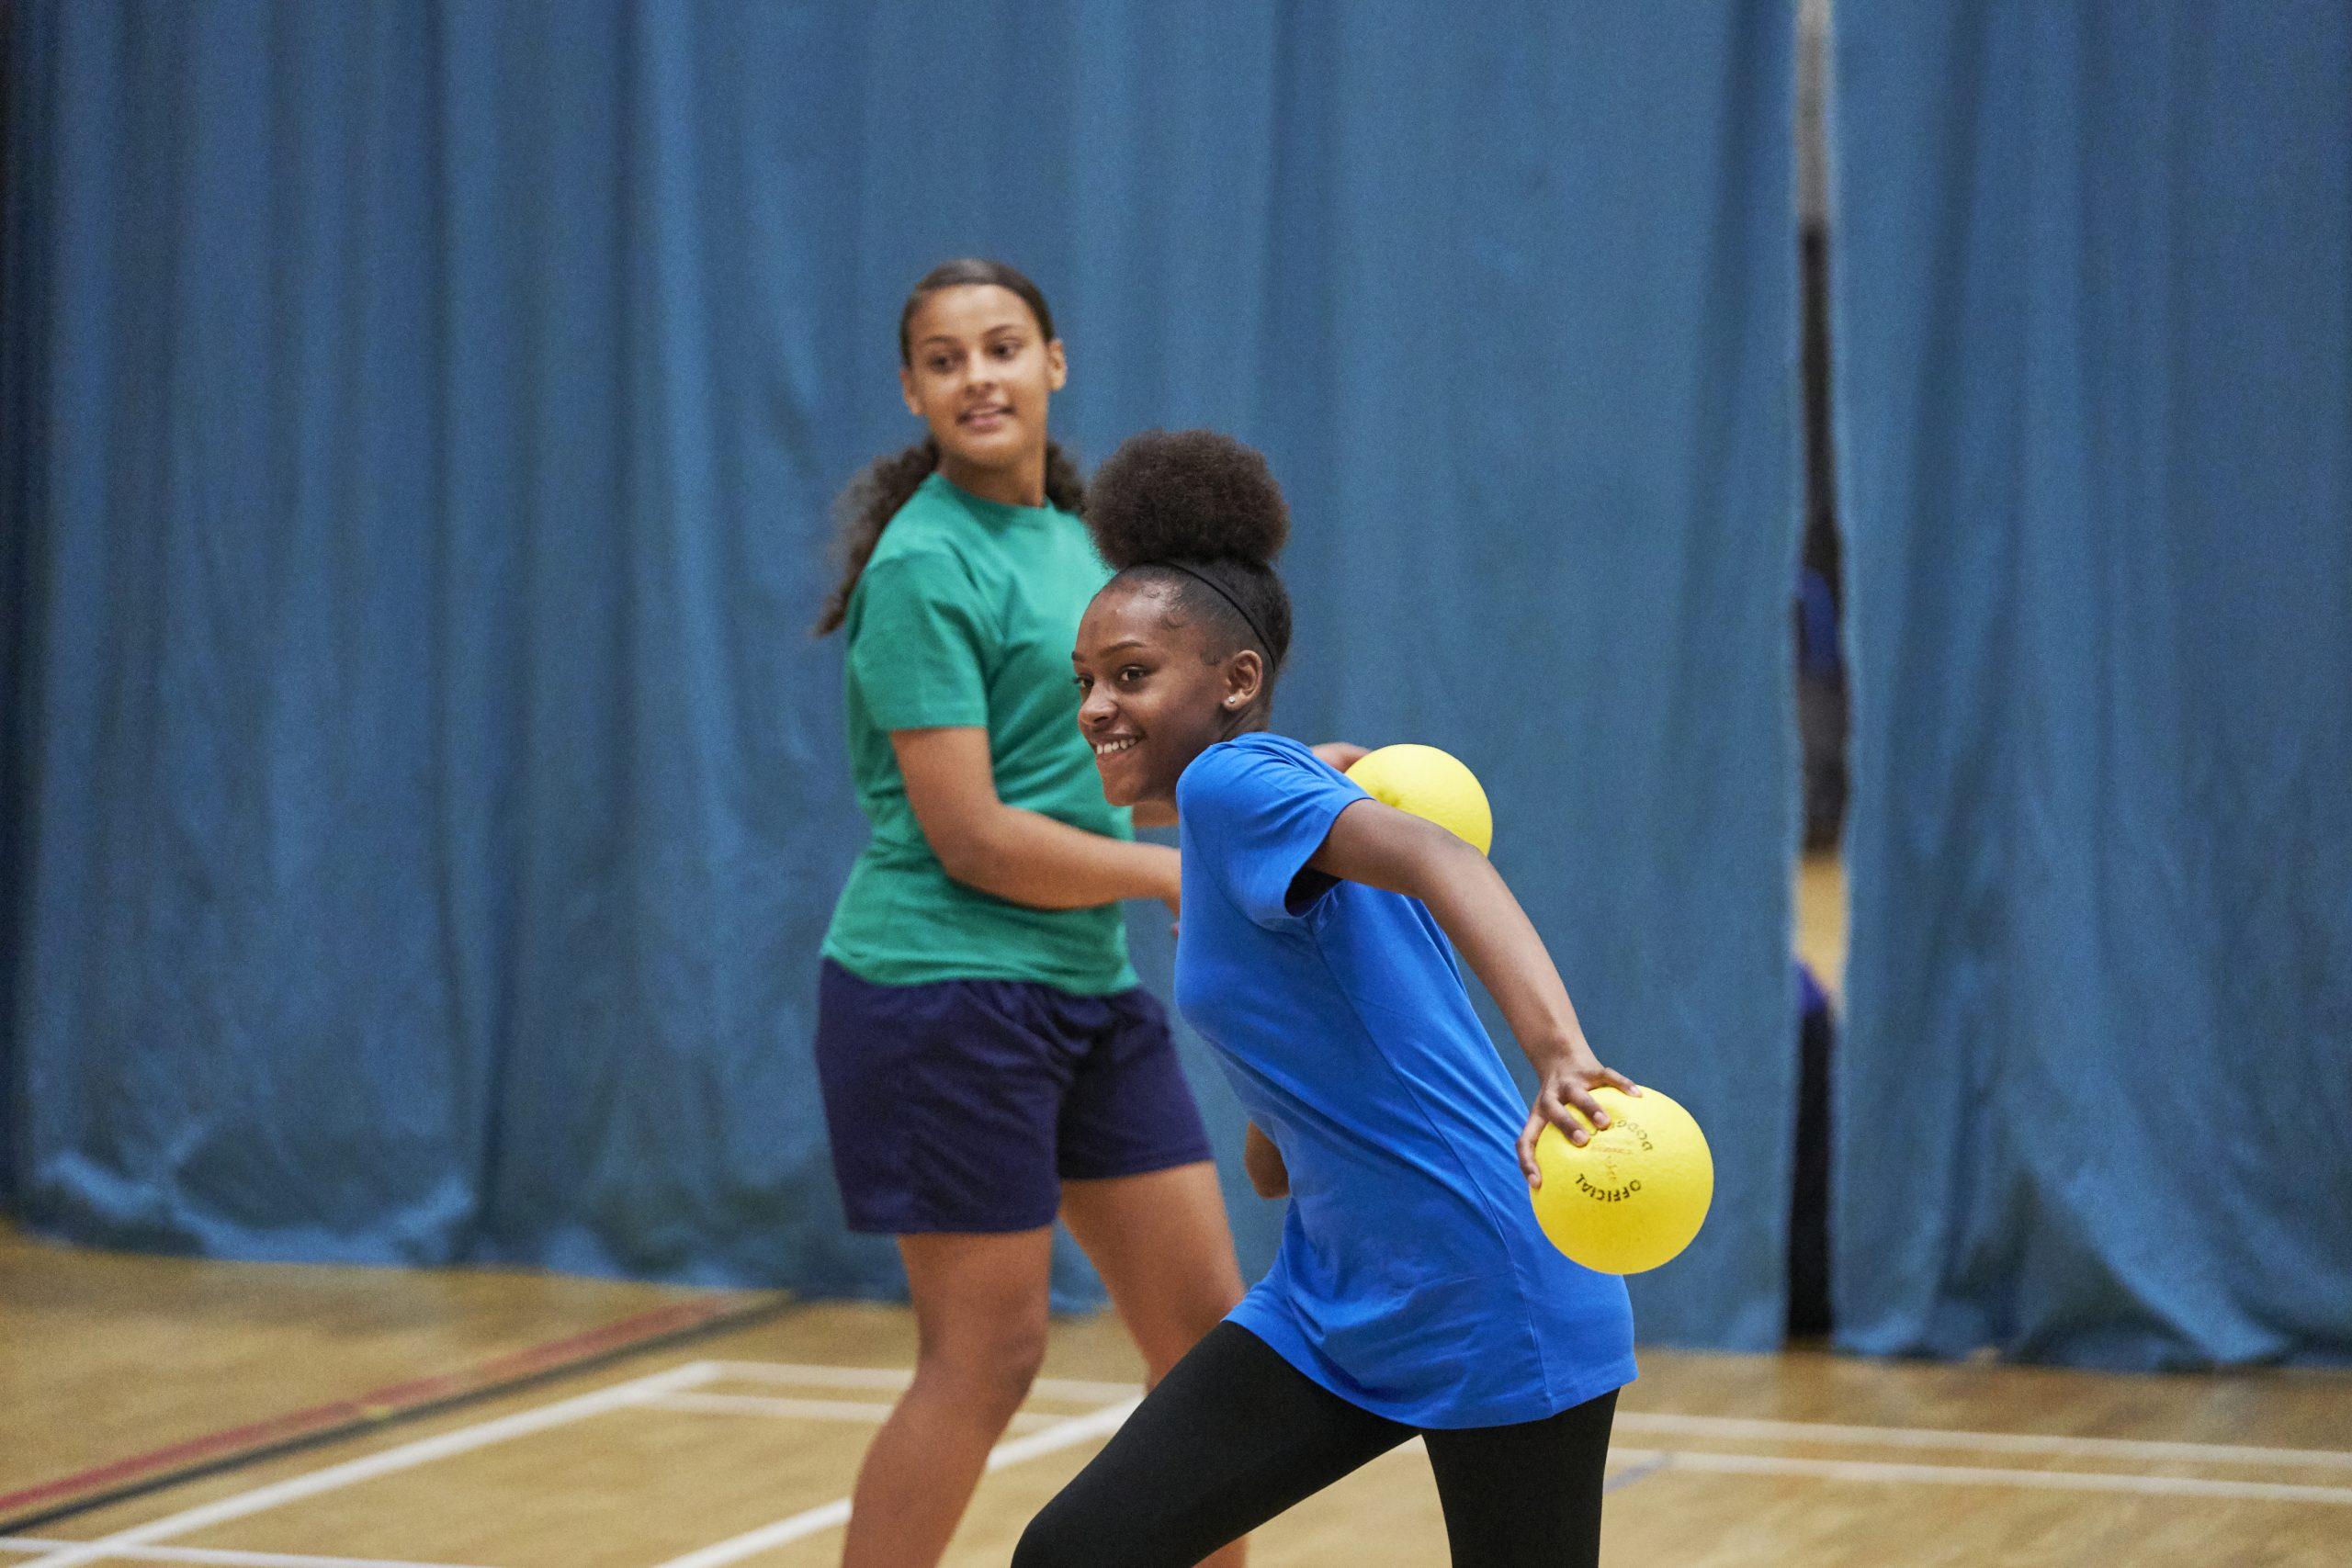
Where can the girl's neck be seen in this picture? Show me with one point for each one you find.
(1251, 720)
(1023, 484)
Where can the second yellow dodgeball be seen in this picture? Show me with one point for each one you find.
(1428, 783)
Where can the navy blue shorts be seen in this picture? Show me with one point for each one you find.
(962, 1105)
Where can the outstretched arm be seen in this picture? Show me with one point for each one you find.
(1382, 847)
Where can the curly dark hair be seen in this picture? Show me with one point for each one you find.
(1200, 514)
(870, 499)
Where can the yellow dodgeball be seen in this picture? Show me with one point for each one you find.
(1633, 1197)
(1428, 783)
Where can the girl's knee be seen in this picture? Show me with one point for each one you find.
(1053, 1540)
(992, 1371)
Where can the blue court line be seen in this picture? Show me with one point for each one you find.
(1639, 1472)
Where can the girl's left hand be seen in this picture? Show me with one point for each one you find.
(1341, 754)
(1571, 1082)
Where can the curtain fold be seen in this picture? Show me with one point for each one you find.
(2094, 406)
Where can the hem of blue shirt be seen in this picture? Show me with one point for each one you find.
(1282, 1337)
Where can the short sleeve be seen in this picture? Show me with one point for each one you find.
(918, 646)
(1256, 817)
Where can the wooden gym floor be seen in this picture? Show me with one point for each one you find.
(740, 1445)
(502, 1420)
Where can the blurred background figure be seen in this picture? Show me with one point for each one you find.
(990, 1061)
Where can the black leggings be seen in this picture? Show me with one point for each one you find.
(1235, 1435)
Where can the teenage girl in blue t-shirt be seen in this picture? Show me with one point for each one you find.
(1413, 1293)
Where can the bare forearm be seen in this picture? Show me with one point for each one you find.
(1025, 857)
(1382, 847)
(1476, 908)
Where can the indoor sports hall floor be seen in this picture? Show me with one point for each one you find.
(156, 1411)
(740, 1445)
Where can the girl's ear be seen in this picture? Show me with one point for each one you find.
(1245, 676)
(1057, 367)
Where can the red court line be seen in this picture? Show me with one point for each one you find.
(383, 1404)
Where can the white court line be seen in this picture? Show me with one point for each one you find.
(1062, 1434)
(1101, 1423)
(1981, 1475)
(464, 1440)
(1664, 1423)
(870, 1411)
(138, 1544)
(232, 1559)
(807, 1375)
(2157, 1449)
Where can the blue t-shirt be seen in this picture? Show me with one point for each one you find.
(1412, 1279)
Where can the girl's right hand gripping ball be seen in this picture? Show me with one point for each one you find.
(1635, 1194)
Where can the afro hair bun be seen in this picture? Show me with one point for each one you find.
(1186, 495)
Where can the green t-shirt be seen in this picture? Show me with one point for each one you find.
(967, 616)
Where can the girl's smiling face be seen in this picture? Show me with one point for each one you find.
(1153, 693)
(980, 372)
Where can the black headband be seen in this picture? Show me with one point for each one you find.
(1272, 659)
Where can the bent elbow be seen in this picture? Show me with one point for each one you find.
(970, 862)
(965, 854)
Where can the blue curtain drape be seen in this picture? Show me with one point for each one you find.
(421, 421)
(2094, 403)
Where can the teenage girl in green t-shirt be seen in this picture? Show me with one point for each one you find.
(988, 1060)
